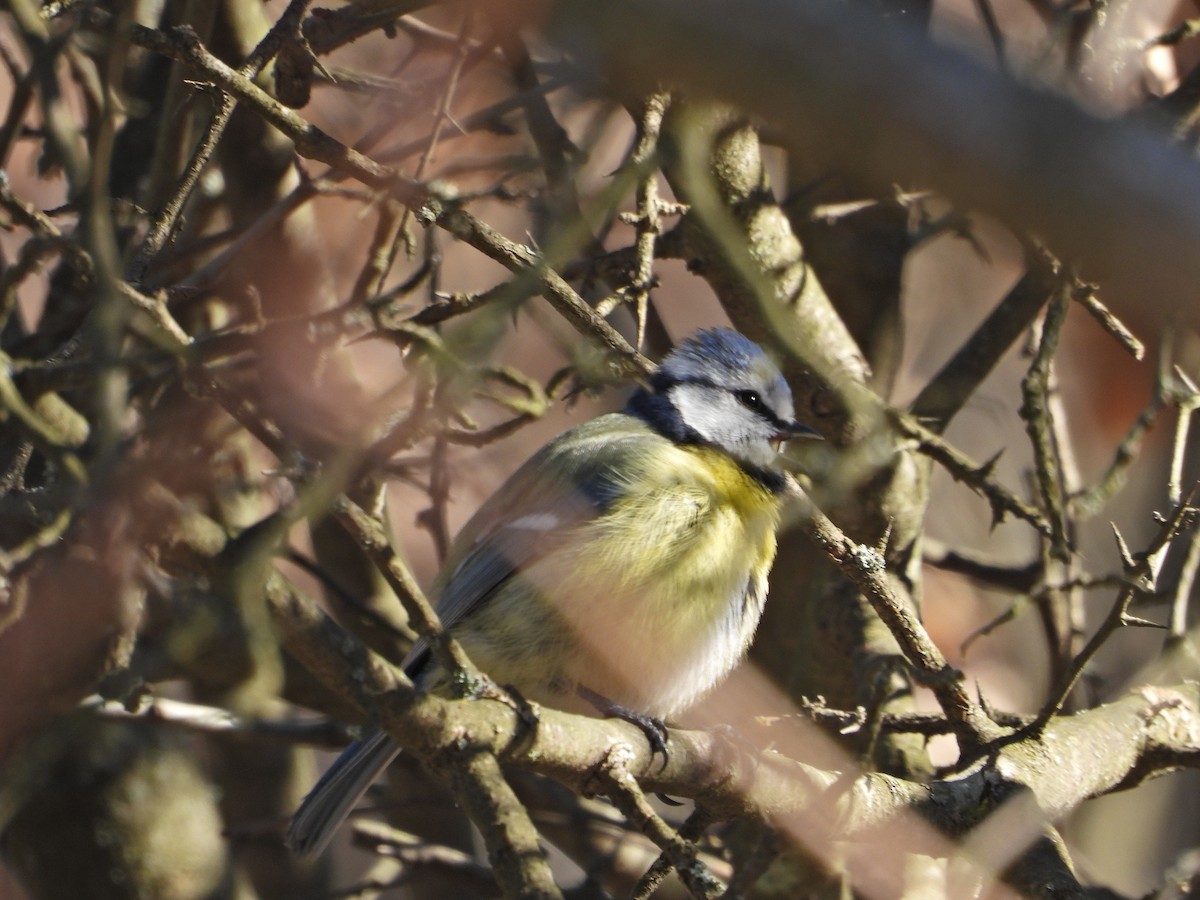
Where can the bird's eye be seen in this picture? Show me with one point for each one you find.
(750, 400)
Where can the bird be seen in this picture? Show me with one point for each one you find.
(622, 569)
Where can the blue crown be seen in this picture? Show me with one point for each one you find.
(722, 346)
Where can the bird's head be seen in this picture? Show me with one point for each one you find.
(720, 389)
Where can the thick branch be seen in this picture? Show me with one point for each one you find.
(1077, 757)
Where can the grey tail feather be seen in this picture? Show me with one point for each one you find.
(332, 798)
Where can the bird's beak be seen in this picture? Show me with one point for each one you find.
(793, 430)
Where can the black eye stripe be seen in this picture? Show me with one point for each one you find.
(753, 401)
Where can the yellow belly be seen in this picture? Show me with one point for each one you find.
(651, 605)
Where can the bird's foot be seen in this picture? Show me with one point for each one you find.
(481, 687)
(527, 712)
(653, 728)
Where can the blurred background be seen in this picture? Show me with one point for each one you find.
(467, 99)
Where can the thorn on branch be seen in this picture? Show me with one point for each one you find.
(1142, 569)
(865, 568)
(1128, 563)
(965, 471)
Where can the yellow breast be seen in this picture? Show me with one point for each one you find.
(666, 593)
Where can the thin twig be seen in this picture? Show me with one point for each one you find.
(181, 43)
(647, 222)
(1142, 572)
(47, 435)
(1088, 503)
(517, 258)
(164, 226)
(22, 94)
(413, 851)
(167, 221)
(974, 475)
(865, 567)
(486, 118)
(959, 379)
(440, 117)
(380, 253)
(550, 138)
(370, 535)
(1065, 604)
(1187, 398)
(623, 790)
(1035, 410)
(434, 519)
(1185, 30)
(690, 831)
(851, 721)
(1021, 579)
(1085, 295)
(214, 720)
(1177, 620)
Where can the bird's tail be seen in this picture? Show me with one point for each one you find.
(331, 799)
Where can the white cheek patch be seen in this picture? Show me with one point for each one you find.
(722, 421)
(699, 410)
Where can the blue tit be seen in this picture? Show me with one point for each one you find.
(623, 568)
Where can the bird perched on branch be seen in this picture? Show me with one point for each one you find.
(623, 568)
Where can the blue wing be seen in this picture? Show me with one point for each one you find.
(564, 486)
(541, 507)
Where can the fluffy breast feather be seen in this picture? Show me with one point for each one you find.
(648, 601)
(659, 623)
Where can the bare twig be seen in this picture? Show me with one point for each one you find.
(975, 476)
(995, 35)
(1187, 398)
(391, 231)
(46, 434)
(369, 534)
(181, 43)
(553, 144)
(1087, 503)
(488, 117)
(214, 720)
(646, 223)
(525, 262)
(622, 788)
(1085, 295)
(950, 559)
(1142, 572)
(1177, 619)
(22, 95)
(689, 832)
(1035, 410)
(511, 838)
(864, 566)
(413, 851)
(959, 378)
(167, 220)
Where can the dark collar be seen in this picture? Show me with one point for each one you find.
(660, 414)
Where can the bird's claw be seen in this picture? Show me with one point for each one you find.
(653, 728)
